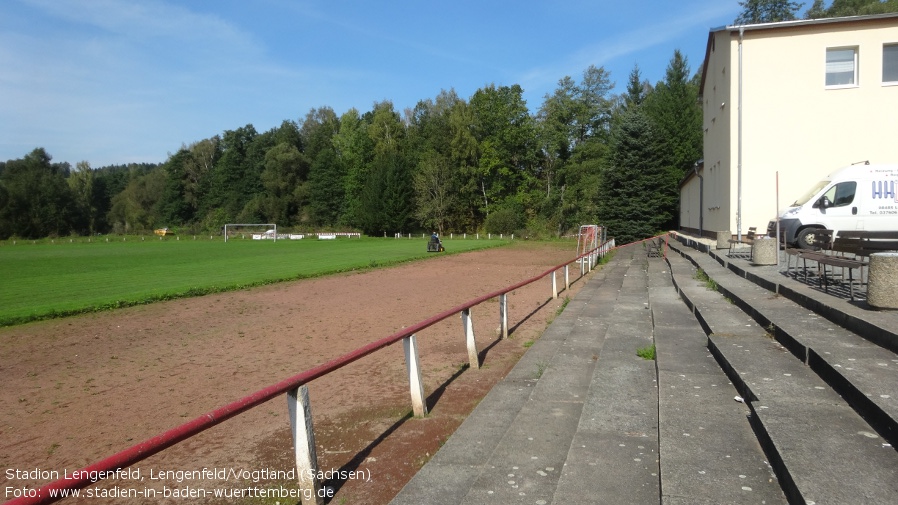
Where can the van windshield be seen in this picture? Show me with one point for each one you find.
(803, 199)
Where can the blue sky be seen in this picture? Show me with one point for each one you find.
(120, 81)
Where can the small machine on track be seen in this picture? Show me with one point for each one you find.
(435, 245)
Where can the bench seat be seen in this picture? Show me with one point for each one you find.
(747, 239)
(845, 250)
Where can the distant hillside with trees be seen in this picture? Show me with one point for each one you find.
(450, 164)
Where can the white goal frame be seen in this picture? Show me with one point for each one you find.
(587, 239)
(244, 225)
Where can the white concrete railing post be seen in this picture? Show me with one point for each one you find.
(413, 367)
(567, 278)
(304, 445)
(503, 315)
(554, 285)
(468, 323)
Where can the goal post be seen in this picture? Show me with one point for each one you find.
(265, 230)
(587, 239)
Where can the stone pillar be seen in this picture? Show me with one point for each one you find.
(882, 281)
(763, 251)
(723, 239)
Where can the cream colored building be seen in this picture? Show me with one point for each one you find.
(814, 96)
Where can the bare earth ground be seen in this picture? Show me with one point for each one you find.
(79, 389)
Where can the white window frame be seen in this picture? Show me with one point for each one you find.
(894, 48)
(829, 65)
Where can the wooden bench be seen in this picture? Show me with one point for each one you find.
(849, 249)
(747, 239)
(823, 239)
(839, 262)
(655, 247)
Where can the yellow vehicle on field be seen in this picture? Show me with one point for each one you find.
(163, 232)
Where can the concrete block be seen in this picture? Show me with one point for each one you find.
(882, 287)
(764, 251)
(723, 239)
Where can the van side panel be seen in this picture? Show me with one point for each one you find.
(874, 208)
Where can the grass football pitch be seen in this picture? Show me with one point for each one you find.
(46, 280)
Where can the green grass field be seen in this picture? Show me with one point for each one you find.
(46, 280)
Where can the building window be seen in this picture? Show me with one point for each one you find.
(890, 63)
(841, 66)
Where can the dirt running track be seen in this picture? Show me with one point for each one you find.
(78, 389)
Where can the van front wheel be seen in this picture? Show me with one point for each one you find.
(807, 240)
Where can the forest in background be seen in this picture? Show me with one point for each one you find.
(485, 163)
(449, 164)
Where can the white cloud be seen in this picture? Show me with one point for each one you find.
(147, 19)
(695, 22)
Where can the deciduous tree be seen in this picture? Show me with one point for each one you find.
(435, 190)
(35, 200)
(86, 199)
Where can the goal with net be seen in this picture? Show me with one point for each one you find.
(256, 231)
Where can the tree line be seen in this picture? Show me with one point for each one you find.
(772, 11)
(448, 164)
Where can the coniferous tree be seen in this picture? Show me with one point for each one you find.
(637, 89)
(637, 196)
(173, 208)
(840, 8)
(233, 179)
(387, 198)
(325, 189)
(767, 11)
(673, 108)
(387, 203)
(816, 11)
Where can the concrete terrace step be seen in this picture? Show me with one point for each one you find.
(854, 365)
(582, 419)
(512, 447)
(709, 453)
(613, 456)
(822, 450)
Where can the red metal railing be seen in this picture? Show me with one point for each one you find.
(156, 444)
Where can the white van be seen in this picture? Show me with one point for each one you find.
(857, 197)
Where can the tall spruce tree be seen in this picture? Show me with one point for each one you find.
(767, 11)
(637, 195)
(325, 188)
(673, 108)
